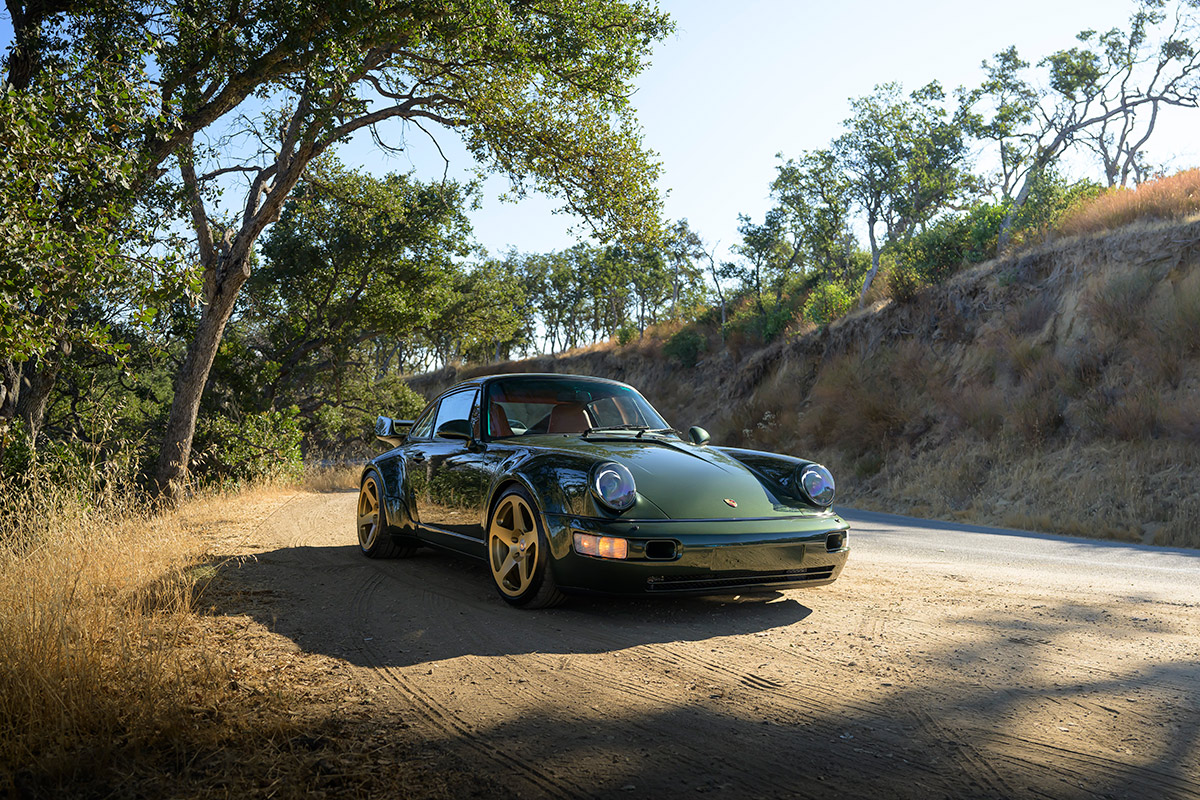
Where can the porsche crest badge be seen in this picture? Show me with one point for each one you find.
(731, 503)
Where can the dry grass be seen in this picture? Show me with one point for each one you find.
(1119, 304)
(864, 402)
(337, 478)
(120, 677)
(1173, 198)
(94, 635)
(1076, 489)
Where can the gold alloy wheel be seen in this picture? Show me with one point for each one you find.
(368, 514)
(513, 546)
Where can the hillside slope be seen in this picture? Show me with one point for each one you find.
(1058, 390)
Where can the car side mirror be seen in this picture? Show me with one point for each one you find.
(455, 429)
(698, 435)
(386, 429)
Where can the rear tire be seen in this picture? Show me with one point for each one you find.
(518, 553)
(375, 538)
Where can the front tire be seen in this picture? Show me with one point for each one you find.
(518, 553)
(374, 537)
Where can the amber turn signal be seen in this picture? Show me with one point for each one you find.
(601, 546)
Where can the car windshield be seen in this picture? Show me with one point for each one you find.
(520, 406)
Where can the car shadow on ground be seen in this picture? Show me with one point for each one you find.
(437, 606)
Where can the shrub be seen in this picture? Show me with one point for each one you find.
(257, 445)
(626, 333)
(936, 253)
(344, 428)
(748, 322)
(1050, 199)
(685, 347)
(827, 302)
(903, 282)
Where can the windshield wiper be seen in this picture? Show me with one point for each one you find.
(641, 430)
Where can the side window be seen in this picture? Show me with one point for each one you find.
(423, 429)
(454, 407)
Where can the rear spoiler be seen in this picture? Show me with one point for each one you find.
(386, 430)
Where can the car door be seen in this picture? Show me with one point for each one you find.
(457, 476)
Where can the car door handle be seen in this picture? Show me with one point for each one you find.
(418, 457)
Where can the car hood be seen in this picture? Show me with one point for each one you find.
(683, 480)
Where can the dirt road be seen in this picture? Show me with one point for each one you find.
(926, 671)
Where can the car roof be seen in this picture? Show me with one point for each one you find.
(482, 379)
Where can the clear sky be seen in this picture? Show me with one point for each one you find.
(739, 82)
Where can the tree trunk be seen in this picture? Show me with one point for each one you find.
(862, 296)
(193, 375)
(10, 393)
(40, 376)
(1018, 202)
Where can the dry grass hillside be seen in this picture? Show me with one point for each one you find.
(1056, 390)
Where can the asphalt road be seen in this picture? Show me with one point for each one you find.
(1027, 557)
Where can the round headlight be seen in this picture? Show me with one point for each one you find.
(613, 486)
(816, 483)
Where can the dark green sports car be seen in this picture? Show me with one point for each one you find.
(567, 484)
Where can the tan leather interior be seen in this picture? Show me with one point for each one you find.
(568, 418)
(499, 422)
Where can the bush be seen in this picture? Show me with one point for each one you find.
(1050, 199)
(945, 247)
(903, 281)
(685, 347)
(827, 302)
(257, 445)
(344, 428)
(765, 325)
(626, 333)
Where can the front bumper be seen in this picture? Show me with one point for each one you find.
(701, 556)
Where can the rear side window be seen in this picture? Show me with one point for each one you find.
(455, 406)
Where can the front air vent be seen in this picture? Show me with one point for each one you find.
(835, 541)
(661, 550)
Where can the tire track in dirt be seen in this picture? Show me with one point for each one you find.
(618, 688)
(582, 674)
(786, 702)
(1084, 768)
(434, 712)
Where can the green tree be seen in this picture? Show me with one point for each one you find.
(74, 231)
(353, 259)
(537, 90)
(904, 161)
(814, 198)
(1104, 94)
(683, 248)
(766, 254)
